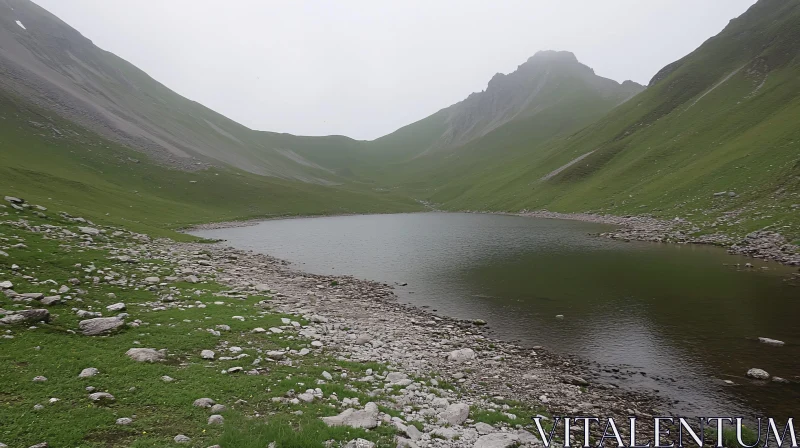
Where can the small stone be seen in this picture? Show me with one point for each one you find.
(359, 443)
(180, 438)
(769, 341)
(88, 372)
(116, 307)
(39, 379)
(576, 380)
(101, 397)
(207, 354)
(275, 354)
(167, 379)
(497, 440)
(216, 419)
(204, 403)
(217, 408)
(89, 230)
(124, 421)
(366, 418)
(145, 354)
(51, 300)
(455, 414)
(484, 428)
(758, 374)
(327, 376)
(100, 325)
(463, 355)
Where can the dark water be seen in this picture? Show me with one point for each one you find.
(677, 319)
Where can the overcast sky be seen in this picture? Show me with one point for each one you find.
(364, 68)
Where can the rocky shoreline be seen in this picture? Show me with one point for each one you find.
(762, 244)
(361, 320)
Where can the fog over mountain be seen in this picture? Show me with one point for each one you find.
(364, 69)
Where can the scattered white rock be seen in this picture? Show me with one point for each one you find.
(204, 403)
(366, 418)
(101, 397)
(455, 414)
(359, 443)
(484, 428)
(462, 355)
(116, 307)
(88, 372)
(145, 354)
(769, 341)
(758, 374)
(497, 440)
(100, 325)
(216, 419)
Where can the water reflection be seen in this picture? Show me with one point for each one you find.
(673, 318)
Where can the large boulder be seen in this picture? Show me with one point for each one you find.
(366, 418)
(465, 354)
(26, 317)
(455, 414)
(145, 354)
(100, 325)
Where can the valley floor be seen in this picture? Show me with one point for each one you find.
(273, 348)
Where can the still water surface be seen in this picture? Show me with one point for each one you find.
(671, 318)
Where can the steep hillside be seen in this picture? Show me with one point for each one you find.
(722, 119)
(52, 65)
(63, 166)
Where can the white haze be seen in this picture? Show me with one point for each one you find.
(364, 68)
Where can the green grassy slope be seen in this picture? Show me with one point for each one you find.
(46, 159)
(53, 65)
(724, 118)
